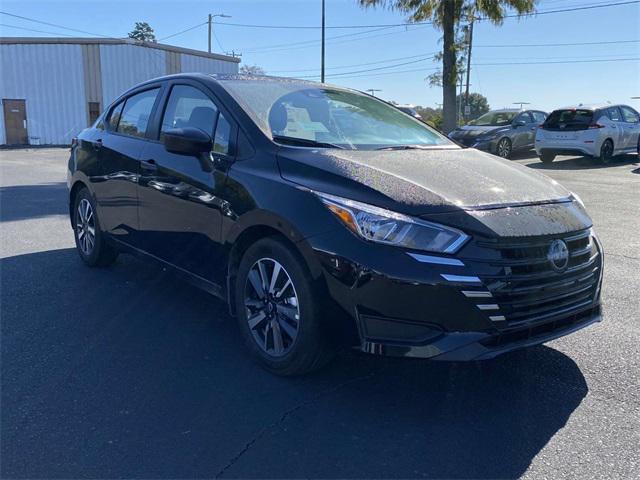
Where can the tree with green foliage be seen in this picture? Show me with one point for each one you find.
(143, 32)
(478, 103)
(447, 15)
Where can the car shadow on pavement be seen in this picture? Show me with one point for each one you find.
(584, 163)
(21, 202)
(130, 372)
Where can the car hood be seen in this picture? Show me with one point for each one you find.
(469, 131)
(420, 182)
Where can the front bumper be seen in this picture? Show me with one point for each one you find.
(479, 144)
(467, 346)
(467, 307)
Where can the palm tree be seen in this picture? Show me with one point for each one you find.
(446, 15)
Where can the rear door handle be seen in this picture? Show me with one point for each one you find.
(149, 165)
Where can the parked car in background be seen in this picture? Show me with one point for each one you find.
(501, 132)
(598, 131)
(325, 217)
(411, 110)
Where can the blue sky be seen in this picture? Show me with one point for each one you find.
(398, 53)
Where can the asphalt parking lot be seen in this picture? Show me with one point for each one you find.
(129, 372)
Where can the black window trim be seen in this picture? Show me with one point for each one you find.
(153, 130)
(123, 99)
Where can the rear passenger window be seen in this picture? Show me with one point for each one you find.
(222, 137)
(189, 107)
(114, 118)
(136, 113)
(614, 114)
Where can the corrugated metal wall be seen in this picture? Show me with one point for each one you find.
(124, 66)
(58, 80)
(50, 79)
(193, 63)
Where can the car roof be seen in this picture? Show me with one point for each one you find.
(588, 106)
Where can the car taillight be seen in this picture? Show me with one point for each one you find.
(596, 125)
(541, 126)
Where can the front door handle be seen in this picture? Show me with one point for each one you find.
(149, 165)
(97, 145)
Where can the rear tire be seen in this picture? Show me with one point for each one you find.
(280, 318)
(547, 157)
(90, 241)
(606, 152)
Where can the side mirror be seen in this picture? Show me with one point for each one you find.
(519, 123)
(187, 141)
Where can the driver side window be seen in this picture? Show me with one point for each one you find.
(189, 107)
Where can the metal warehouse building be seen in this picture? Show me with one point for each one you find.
(51, 88)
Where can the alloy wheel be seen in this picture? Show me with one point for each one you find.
(85, 227)
(504, 148)
(272, 307)
(606, 151)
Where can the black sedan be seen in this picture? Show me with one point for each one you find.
(326, 217)
(501, 132)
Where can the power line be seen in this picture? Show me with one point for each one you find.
(341, 76)
(353, 65)
(313, 27)
(557, 44)
(55, 25)
(182, 31)
(565, 61)
(292, 45)
(34, 30)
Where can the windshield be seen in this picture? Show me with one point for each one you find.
(330, 116)
(495, 119)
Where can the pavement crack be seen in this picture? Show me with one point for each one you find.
(283, 418)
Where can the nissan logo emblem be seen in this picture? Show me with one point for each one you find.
(558, 255)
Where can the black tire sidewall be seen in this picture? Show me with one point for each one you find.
(99, 252)
(310, 342)
(602, 157)
(547, 158)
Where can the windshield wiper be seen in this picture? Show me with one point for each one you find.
(304, 142)
(403, 147)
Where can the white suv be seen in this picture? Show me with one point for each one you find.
(599, 131)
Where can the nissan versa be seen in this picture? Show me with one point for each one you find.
(326, 217)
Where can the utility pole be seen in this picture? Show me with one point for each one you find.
(373, 91)
(210, 22)
(322, 48)
(470, 42)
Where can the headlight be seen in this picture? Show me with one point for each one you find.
(577, 199)
(489, 136)
(384, 226)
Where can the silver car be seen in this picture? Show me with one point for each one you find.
(501, 132)
(598, 131)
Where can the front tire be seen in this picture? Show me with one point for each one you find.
(90, 241)
(606, 151)
(279, 310)
(504, 148)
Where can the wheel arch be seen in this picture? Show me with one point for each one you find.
(73, 192)
(241, 239)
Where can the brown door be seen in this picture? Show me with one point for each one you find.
(15, 122)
